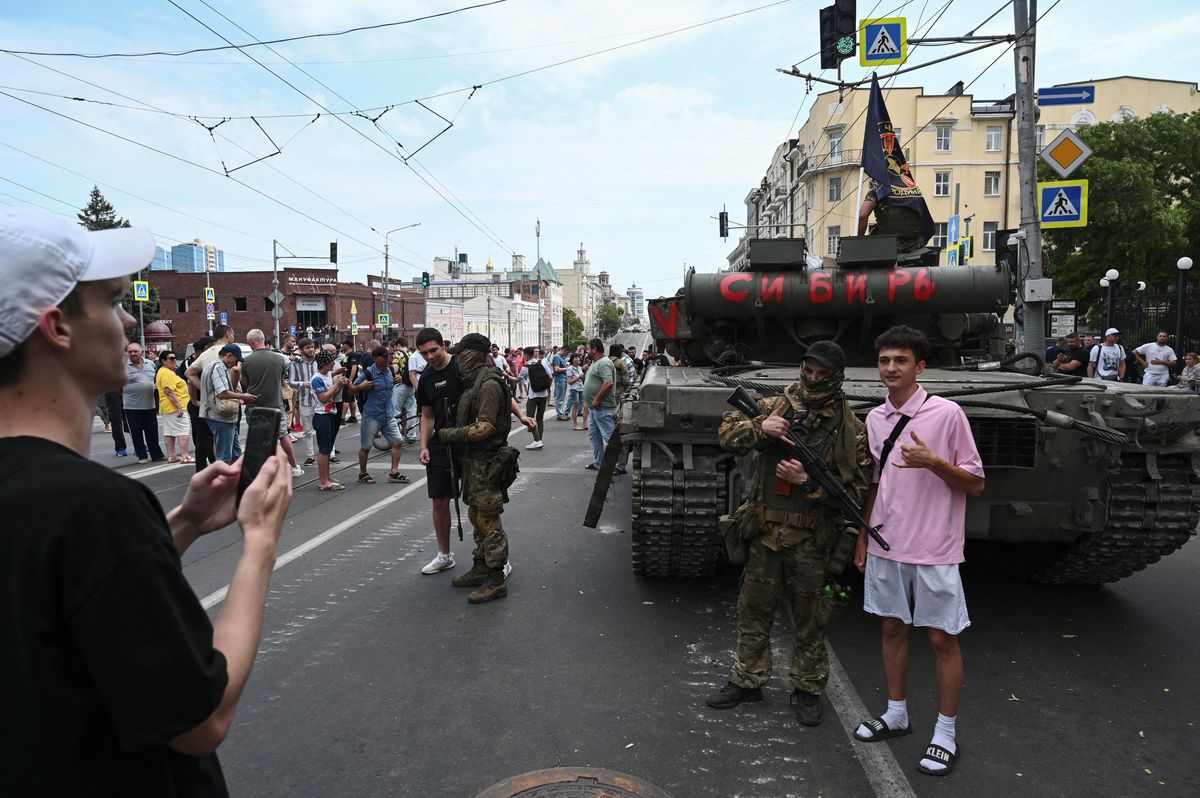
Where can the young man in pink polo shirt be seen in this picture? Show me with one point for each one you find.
(919, 494)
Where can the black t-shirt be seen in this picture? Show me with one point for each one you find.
(108, 654)
(440, 389)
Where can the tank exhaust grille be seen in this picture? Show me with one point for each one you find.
(1005, 442)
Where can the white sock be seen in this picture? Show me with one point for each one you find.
(896, 717)
(943, 735)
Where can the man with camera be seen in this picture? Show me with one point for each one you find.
(119, 683)
(794, 527)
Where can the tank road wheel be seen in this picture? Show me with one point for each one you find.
(1147, 519)
(675, 512)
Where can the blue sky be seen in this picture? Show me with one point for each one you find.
(629, 152)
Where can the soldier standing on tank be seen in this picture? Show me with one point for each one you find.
(796, 527)
(891, 220)
(482, 424)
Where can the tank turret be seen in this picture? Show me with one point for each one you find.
(777, 305)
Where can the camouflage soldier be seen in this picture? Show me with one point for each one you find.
(482, 423)
(891, 220)
(793, 528)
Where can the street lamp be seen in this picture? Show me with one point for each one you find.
(1183, 264)
(385, 263)
(1110, 277)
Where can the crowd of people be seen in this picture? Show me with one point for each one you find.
(1152, 363)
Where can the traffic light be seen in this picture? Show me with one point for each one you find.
(424, 279)
(839, 29)
(723, 223)
(333, 252)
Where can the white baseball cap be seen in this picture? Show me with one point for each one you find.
(43, 257)
(1112, 331)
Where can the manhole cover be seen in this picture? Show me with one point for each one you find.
(573, 783)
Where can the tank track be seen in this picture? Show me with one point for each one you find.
(1147, 520)
(675, 513)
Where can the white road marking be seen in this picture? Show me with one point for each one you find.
(217, 596)
(879, 764)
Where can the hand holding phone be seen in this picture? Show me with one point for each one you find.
(262, 439)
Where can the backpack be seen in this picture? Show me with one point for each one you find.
(539, 380)
(400, 366)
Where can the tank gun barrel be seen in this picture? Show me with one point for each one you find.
(847, 292)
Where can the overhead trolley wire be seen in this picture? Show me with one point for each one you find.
(257, 43)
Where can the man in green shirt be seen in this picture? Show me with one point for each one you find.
(600, 394)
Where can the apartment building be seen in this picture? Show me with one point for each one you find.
(963, 153)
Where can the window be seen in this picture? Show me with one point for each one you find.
(181, 305)
(939, 235)
(239, 303)
(989, 236)
(941, 184)
(835, 146)
(995, 134)
(943, 138)
(991, 184)
(833, 238)
(835, 189)
(1041, 137)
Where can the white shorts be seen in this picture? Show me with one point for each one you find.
(920, 595)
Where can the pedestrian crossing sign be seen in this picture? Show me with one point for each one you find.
(883, 42)
(384, 320)
(952, 255)
(1063, 203)
(141, 291)
(354, 328)
(210, 295)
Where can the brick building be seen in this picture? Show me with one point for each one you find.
(311, 298)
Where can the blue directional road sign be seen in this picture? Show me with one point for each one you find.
(882, 41)
(224, 317)
(1063, 203)
(1067, 95)
(952, 229)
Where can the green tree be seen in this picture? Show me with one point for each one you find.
(572, 328)
(610, 321)
(99, 213)
(1143, 208)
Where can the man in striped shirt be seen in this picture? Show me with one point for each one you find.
(300, 374)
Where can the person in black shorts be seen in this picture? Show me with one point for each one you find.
(116, 681)
(437, 394)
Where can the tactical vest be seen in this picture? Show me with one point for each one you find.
(897, 220)
(792, 506)
(468, 411)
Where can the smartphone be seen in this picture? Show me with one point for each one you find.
(262, 439)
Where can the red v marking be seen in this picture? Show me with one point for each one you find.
(670, 323)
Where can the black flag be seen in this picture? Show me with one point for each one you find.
(883, 161)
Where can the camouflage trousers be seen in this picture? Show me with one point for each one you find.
(491, 544)
(797, 572)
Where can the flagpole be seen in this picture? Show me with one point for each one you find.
(858, 197)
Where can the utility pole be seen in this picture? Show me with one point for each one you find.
(386, 275)
(274, 288)
(1032, 329)
(538, 269)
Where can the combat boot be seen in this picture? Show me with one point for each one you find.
(473, 577)
(808, 707)
(492, 588)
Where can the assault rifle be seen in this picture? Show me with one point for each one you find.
(817, 470)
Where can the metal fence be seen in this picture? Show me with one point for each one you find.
(1139, 316)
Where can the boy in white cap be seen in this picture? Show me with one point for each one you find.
(118, 682)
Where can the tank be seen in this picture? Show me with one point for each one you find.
(1087, 481)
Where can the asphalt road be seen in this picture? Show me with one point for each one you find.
(374, 680)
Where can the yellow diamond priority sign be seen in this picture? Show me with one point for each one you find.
(1066, 153)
